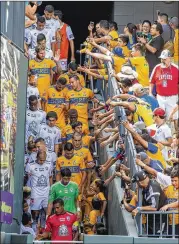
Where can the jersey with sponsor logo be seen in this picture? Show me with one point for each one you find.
(68, 193)
(61, 226)
(51, 135)
(34, 120)
(85, 154)
(32, 90)
(39, 179)
(51, 158)
(49, 34)
(52, 24)
(32, 53)
(75, 164)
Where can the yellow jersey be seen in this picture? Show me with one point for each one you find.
(67, 132)
(85, 154)
(143, 112)
(55, 101)
(113, 34)
(117, 63)
(126, 51)
(79, 101)
(43, 70)
(176, 45)
(67, 75)
(142, 68)
(113, 44)
(94, 217)
(75, 164)
(86, 141)
(155, 153)
(172, 195)
(101, 196)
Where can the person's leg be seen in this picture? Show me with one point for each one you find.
(161, 101)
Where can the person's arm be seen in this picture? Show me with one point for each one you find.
(167, 143)
(87, 71)
(123, 96)
(111, 139)
(56, 148)
(30, 11)
(72, 48)
(127, 105)
(109, 180)
(51, 180)
(103, 208)
(99, 56)
(49, 209)
(127, 206)
(146, 168)
(170, 205)
(174, 110)
(102, 39)
(148, 46)
(101, 49)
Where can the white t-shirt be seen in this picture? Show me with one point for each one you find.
(49, 34)
(51, 135)
(32, 53)
(39, 179)
(163, 180)
(162, 133)
(32, 90)
(52, 24)
(27, 229)
(34, 120)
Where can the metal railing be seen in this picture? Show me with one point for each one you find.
(156, 224)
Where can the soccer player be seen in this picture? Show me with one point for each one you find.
(51, 133)
(50, 22)
(55, 101)
(78, 98)
(43, 68)
(60, 224)
(34, 118)
(41, 179)
(66, 190)
(41, 42)
(74, 163)
(65, 37)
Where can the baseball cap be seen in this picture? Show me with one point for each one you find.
(139, 176)
(174, 20)
(165, 54)
(137, 88)
(159, 112)
(140, 125)
(143, 156)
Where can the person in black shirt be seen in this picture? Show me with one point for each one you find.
(153, 198)
(154, 47)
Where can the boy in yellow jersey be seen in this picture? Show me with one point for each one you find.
(78, 98)
(74, 163)
(142, 110)
(100, 75)
(55, 101)
(43, 67)
(152, 149)
(140, 63)
(72, 70)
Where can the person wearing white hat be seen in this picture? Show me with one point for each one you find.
(127, 72)
(140, 92)
(166, 80)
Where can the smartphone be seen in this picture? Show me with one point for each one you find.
(92, 23)
(158, 12)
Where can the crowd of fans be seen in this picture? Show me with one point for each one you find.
(64, 189)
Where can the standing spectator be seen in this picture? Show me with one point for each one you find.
(154, 46)
(153, 199)
(167, 34)
(65, 189)
(163, 132)
(26, 225)
(113, 29)
(34, 118)
(78, 98)
(50, 22)
(51, 133)
(146, 25)
(64, 37)
(41, 179)
(174, 25)
(130, 30)
(60, 224)
(165, 78)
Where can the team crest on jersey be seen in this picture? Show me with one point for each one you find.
(53, 94)
(63, 230)
(68, 218)
(74, 163)
(71, 189)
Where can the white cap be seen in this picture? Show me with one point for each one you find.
(127, 72)
(165, 54)
(137, 88)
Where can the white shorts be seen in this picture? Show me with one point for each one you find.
(38, 203)
(63, 64)
(167, 104)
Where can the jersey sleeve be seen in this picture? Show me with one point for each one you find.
(44, 118)
(101, 196)
(69, 32)
(91, 94)
(48, 227)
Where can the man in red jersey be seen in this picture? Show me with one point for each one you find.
(165, 79)
(60, 225)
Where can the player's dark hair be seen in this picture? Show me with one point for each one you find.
(41, 19)
(74, 77)
(40, 37)
(65, 172)
(113, 24)
(68, 146)
(40, 139)
(26, 217)
(104, 24)
(38, 49)
(124, 38)
(76, 134)
(58, 200)
(51, 114)
(75, 124)
(146, 21)
(100, 185)
(126, 82)
(139, 47)
(73, 66)
(163, 16)
(159, 27)
(32, 98)
(59, 14)
(49, 8)
(132, 29)
(62, 80)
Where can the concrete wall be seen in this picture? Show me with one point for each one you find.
(134, 12)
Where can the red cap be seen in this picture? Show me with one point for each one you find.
(159, 112)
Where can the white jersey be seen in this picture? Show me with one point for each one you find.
(51, 158)
(39, 175)
(49, 34)
(32, 53)
(34, 120)
(51, 135)
(162, 133)
(52, 24)
(32, 90)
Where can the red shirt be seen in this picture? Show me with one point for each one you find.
(165, 79)
(61, 226)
